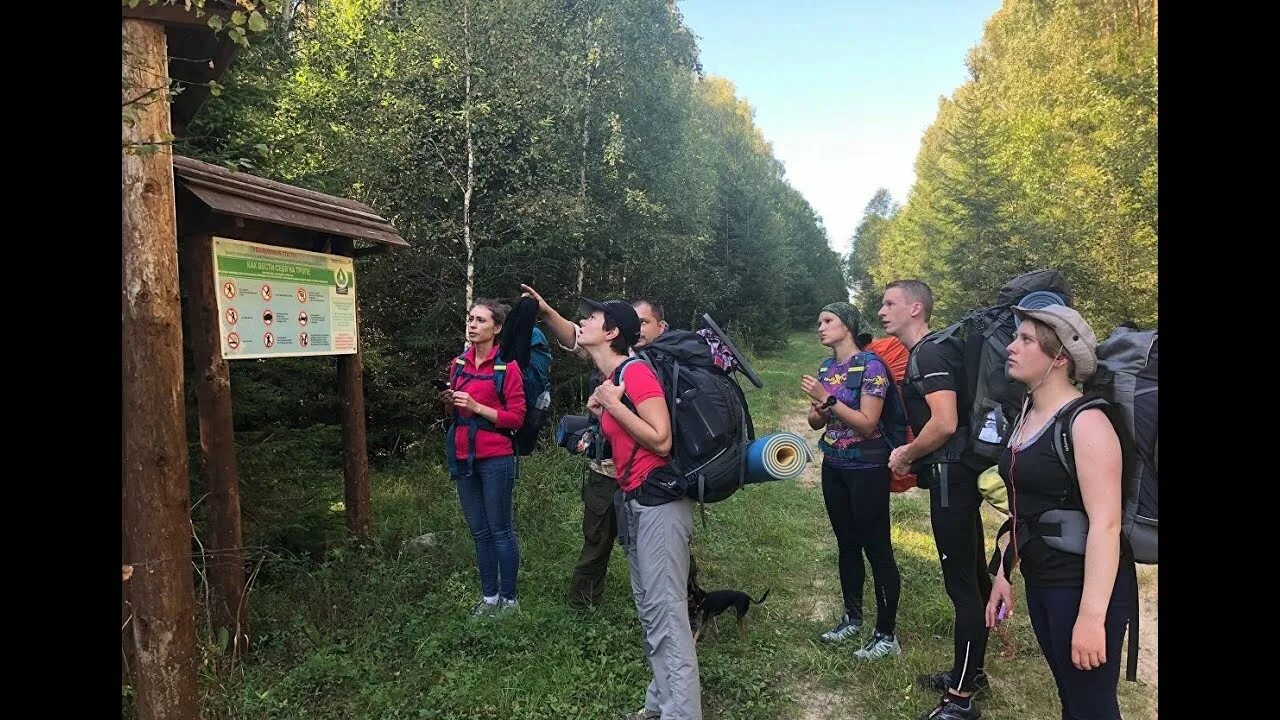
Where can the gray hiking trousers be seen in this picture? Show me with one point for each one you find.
(656, 540)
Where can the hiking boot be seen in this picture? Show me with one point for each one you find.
(950, 708)
(847, 628)
(643, 714)
(941, 682)
(879, 646)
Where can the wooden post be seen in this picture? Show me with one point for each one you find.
(217, 441)
(157, 494)
(127, 656)
(355, 453)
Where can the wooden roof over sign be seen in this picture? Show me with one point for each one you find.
(242, 195)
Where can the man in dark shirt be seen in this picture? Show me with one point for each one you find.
(934, 395)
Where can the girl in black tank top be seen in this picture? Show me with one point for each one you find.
(1041, 484)
(1077, 603)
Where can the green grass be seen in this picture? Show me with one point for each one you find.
(383, 632)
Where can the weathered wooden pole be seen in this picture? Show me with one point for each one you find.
(217, 441)
(156, 492)
(355, 453)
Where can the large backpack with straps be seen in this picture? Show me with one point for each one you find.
(893, 417)
(1126, 388)
(893, 353)
(537, 392)
(711, 425)
(989, 400)
(523, 342)
(895, 356)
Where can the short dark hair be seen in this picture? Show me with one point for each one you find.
(658, 313)
(619, 344)
(916, 291)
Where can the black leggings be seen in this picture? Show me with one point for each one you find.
(958, 535)
(858, 506)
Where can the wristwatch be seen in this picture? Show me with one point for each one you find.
(830, 402)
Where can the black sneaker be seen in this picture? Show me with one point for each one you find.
(941, 682)
(949, 709)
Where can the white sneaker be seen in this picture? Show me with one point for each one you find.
(879, 646)
(484, 607)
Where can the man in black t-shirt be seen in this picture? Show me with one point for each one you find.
(934, 395)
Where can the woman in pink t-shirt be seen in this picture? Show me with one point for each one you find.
(655, 518)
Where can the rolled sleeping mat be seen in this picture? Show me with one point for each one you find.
(780, 456)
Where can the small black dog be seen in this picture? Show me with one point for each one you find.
(696, 594)
(716, 602)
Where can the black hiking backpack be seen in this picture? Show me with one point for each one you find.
(1126, 387)
(711, 424)
(989, 400)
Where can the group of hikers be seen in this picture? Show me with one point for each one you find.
(1079, 576)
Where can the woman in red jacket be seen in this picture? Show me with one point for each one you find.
(487, 397)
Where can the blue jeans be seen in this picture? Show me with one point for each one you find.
(486, 504)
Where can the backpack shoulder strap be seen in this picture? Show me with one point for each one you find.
(864, 359)
(1063, 421)
(459, 363)
(913, 376)
(618, 377)
(622, 366)
(893, 404)
(500, 380)
(949, 331)
(853, 376)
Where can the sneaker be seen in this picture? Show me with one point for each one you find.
(949, 709)
(484, 607)
(643, 714)
(941, 682)
(847, 628)
(508, 605)
(879, 646)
